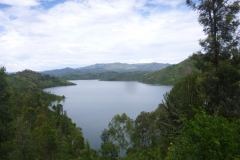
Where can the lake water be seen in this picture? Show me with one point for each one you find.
(91, 104)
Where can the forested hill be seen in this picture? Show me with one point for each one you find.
(31, 79)
(32, 128)
(171, 74)
(108, 67)
(109, 76)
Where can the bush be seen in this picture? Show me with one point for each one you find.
(207, 137)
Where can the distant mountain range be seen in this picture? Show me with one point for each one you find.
(152, 73)
(110, 67)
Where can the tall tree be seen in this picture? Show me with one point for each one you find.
(5, 112)
(179, 102)
(220, 23)
(120, 130)
(220, 54)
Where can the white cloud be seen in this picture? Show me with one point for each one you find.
(74, 34)
(172, 3)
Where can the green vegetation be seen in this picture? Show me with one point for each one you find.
(109, 72)
(109, 67)
(31, 79)
(109, 76)
(166, 76)
(207, 137)
(32, 129)
(6, 118)
(198, 119)
(172, 74)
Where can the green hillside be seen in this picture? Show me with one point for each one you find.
(31, 127)
(172, 74)
(110, 76)
(31, 79)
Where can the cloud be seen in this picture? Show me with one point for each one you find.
(25, 3)
(77, 33)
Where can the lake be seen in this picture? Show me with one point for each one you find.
(91, 104)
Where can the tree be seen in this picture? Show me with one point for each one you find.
(145, 131)
(220, 54)
(218, 18)
(22, 147)
(88, 153)
(145, 138)
(105, 136)
(5, 112)
(46, 141)
(78, 144)
(177, 103)
(120, 129)
(207, 137)
(109, 151)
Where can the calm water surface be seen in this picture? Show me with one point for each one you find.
(91, 104)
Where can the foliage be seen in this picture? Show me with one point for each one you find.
(217, 87)
(220, 54)
(30, 79)
(207, 137)
(145, 132)
(5, 114)
(116, 139)
(120, 129)
(171, 74)
(108, 68)
(225, 100)
(110, 76)
(32, 129)
(109, 150)
(220, 24)
(145, 137)
(196, 119)
(179, 102)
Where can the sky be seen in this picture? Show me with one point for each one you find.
(52, 34)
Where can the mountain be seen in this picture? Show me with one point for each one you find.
(107, 67)
(171, 74)
(152, 73)
(124, 67)
(58, 72)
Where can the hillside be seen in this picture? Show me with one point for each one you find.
(124, 67)
(59, 72)
(31, 127)
(31, 79)
(110, 67)
(109, 76)
(170, 75)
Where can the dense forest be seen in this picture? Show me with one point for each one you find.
(198, 119)
(32, 128)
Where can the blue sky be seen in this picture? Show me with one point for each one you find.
(50, 34)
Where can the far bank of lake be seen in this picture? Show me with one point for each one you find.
(91, 104)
